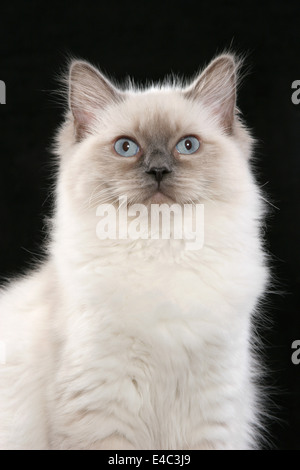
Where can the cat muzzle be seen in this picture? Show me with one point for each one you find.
(158, 173)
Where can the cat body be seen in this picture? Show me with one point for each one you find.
(140, 343)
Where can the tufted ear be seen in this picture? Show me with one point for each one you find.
(89, 92)
(215, 87)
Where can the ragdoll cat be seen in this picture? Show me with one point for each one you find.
(140, 343)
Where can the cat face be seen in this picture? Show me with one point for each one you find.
(167, 143)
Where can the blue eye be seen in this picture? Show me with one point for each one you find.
(188, 145)
(126, 147)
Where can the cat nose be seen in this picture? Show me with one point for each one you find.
(158, 172)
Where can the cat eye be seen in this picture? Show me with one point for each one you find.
(126, 147)
(188, 145)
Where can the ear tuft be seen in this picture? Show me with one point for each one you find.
(215, 87)
(89, 92)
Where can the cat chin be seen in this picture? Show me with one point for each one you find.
(160, 198)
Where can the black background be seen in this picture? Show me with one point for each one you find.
(147, 40)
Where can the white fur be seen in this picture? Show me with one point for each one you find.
(137, 344)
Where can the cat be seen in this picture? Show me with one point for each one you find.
(141, 343)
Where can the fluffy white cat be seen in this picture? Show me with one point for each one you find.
(140, 344)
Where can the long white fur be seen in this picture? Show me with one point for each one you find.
(138, 344)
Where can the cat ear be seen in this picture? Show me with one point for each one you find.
(216, 88)
(89, 92)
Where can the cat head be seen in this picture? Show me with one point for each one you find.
(170, 142)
